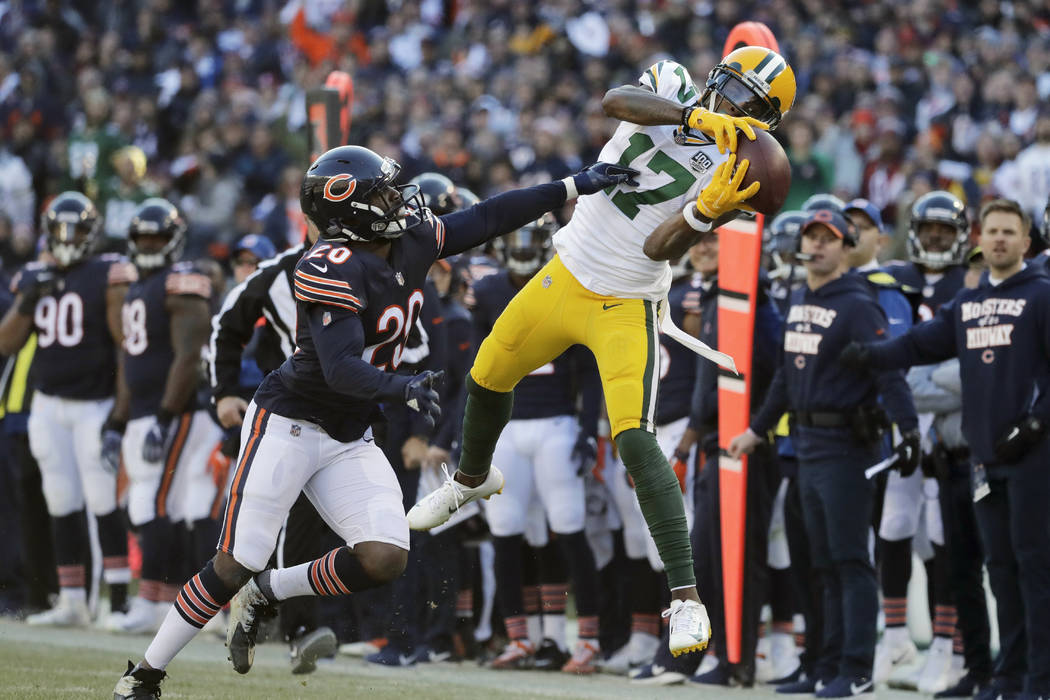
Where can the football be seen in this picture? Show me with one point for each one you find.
(769, 165)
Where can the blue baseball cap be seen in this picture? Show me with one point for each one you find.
(833, 220)
(259, 246)
(868, 208)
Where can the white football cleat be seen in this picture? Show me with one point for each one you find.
(894, 652)
(936, 674)
(68, 612)
(638, 651)
(143, 617)
(247, 609)
(689, 629)
(438, 506)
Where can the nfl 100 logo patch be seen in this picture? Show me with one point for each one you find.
(296, 430)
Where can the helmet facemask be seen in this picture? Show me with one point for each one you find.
(70, 238)
(747, 95)
(377, 213)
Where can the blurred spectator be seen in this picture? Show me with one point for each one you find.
(121, 195)
(810, 171)
(1033, 171)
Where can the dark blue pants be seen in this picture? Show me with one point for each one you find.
(1015, 526)
(967, 569)
(837, 504)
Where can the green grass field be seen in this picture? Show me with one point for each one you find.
(38, 664)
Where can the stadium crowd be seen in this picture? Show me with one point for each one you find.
(204, 105)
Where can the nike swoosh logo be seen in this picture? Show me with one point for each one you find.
(322, 269)
(405, 660)
(657, 669)
(606, 307)
(858, 689)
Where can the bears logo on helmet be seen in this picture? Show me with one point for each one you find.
(756, 81)
(330, 187)
(370, 208)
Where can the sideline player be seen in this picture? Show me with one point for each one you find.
(358, 291)
(172, 499)
(74, 308)
(602, 291)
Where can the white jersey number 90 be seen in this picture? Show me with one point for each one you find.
(60, 320)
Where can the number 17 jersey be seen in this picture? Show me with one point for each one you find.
(602, 243)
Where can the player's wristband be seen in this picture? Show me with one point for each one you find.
(570, 188)
(695, 223)
(686, 111)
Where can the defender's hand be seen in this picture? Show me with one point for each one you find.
(158, 438)
(32, 285)
(421, 395)
(723, 193)
(909, 453)
(584, 453)
(722, 127)
(111, 441)
(597, 177)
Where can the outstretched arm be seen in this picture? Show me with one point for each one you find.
(511, 210)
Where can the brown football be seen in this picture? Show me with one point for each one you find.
(769, 165)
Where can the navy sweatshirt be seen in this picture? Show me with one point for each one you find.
(809, 377)
(1001, 335)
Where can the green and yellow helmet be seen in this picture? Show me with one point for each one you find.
(755, 80)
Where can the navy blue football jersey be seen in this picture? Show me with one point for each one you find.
(148, 351)
(387, 295)
(933, 293)
(76, 355)
(677, 362)
(548, 390)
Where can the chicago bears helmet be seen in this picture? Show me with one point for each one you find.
(72, 224)
(156, 217)
(466, 197)
(755, 80)
(348, 193)
(781, 242)
(944, 208)
(823, 200)
(438, 193)
(524, 251)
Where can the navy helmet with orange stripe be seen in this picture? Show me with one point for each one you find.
(159, 218)
(349, 195)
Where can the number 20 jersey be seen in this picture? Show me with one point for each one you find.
(386, 294)
(602, 243)
(76, 356)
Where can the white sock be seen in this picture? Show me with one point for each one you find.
(121, 575)
(173, 635)
(74, 594)
(554, 628)
(291, 582)
(896, 636)
(532, 622)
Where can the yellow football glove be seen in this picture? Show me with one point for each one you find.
(722, 127)
(723, 193)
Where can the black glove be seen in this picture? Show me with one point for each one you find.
(1019, 438)
(855, 356)
(909, 453)
(597, 177)
(421, 395)
(584, 453)
(112, 437)
(158, 438)
(32, 285)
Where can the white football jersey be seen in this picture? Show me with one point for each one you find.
(602, 243)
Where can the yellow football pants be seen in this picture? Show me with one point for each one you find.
(554, 311)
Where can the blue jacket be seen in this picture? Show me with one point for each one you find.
(1001, 335)
(809, 376)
